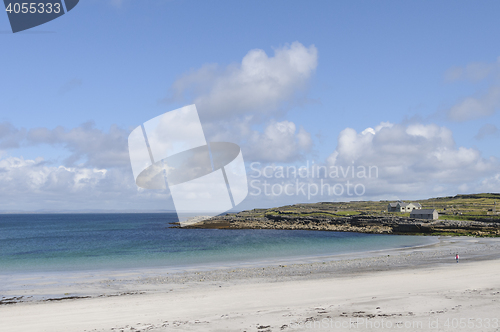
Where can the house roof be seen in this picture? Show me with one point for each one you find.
(403, 204)
(424, 211)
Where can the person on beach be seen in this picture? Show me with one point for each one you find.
(457, 257)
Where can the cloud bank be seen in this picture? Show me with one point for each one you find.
(415, 158)
(87, 145)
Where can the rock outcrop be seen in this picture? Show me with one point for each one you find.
(362, 223)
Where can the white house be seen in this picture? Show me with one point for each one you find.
(403, 207)
(424, 214)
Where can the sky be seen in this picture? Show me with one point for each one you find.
(407, 90)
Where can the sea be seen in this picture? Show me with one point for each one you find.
(34, 243)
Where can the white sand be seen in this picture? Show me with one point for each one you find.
(447, 296)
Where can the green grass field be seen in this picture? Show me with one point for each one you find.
(460, 207)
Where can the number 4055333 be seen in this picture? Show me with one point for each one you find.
(33, 7)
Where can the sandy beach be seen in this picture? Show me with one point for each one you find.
(412, 289)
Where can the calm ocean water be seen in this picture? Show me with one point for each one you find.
(74, 242)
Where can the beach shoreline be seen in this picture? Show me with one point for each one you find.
(29, 286)
(194, 296)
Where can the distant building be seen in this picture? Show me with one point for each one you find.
(403, 207)
(424, 214)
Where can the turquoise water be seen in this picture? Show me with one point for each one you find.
(75, 242)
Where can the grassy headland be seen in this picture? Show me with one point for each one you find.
(474, 214)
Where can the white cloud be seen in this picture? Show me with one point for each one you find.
(476, 107)
(280, 142)
(10, 136)
(96, 175)
(240, 102)
(416, 159)
(474, 72)
(490, 184)
(87, 145)
(259, 84)
(18, 175)
(34, 184)
(487, 130)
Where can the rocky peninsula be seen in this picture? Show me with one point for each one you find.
(474, 215)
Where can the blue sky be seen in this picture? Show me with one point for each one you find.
(73, 88)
